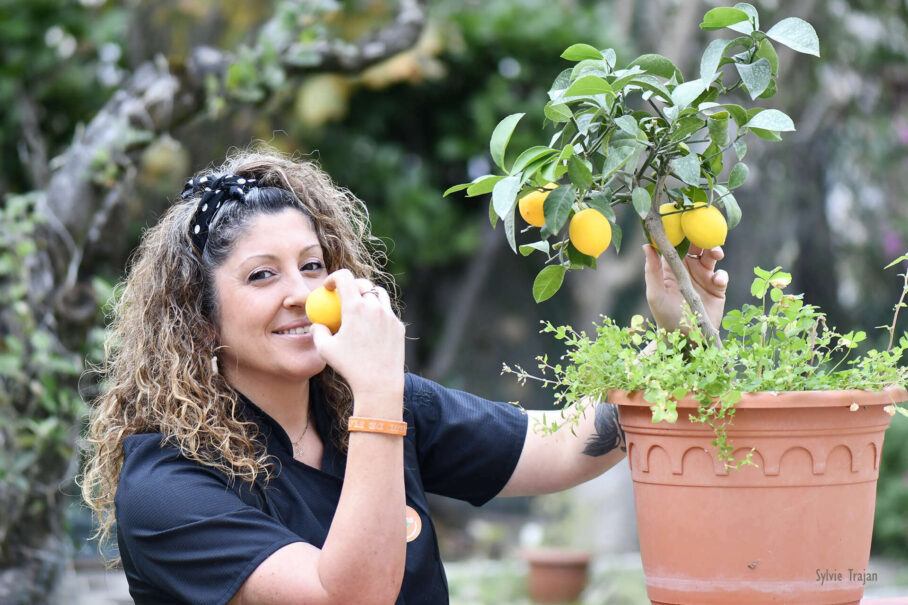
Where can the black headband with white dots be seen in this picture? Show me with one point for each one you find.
(215, 193)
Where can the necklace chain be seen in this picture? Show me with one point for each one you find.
(303, 434)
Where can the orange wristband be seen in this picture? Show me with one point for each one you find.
(376, 425)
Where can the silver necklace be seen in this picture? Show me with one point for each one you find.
(296, 443)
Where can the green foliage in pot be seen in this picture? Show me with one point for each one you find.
(779, 344)
(642, 136)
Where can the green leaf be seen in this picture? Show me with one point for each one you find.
(455, 189)
(653, 85)
(625, 77)
(768, 135)
(770, 90)
(687, 126)
(796, 34)
(588, 86)
(775, 294)
(557, 112)
(542, 246)
(658, 66)
(722, 16)
(508, 222)
(756, 76)
(567, 152)
(712, 56)
(642, 201)
(688, 168)
(579, 173)
(589, 67)
(904, 257)
(617, 235)
(740, 148)
(553, 170)
(628, 124)
(732, 210)
(684, 94)
(548, 282)
(504, 195)
(500, 138)
(768, 52)
(759, 287)
(718, 129)
(493, 217)
(738, 113)
(615, 159)
(579, 52)
(531, 155)
(771, 119)
(578, 259)
(738, 175)
(753, 21)
(562, 81)
(600, 201)
(482, 185)
(556, 209)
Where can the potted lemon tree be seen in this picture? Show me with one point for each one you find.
(754, 457)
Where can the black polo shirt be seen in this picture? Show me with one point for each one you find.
(187, 535)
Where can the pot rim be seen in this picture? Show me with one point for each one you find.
(781, 399)
(556, 555)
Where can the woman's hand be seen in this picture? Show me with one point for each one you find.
(664, 296)
(368, 350)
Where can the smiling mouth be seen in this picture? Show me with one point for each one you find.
(292, 331)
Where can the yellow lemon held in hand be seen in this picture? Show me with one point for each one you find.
(590, 232)
(704, 226)
(324, 307)
(671, 222)
(530, 205)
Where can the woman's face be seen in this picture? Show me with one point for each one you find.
(261, 292)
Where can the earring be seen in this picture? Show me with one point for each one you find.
(214, 364)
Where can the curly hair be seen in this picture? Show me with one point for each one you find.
(157, 372)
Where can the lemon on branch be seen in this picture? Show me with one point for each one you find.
(704, 226)
(323, 306)
(530, 205)
(590, 232)
(671, 222)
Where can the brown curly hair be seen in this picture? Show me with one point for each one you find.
(157, 372)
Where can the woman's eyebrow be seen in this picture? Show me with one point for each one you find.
(268, 256)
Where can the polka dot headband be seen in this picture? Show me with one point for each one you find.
(215, 193)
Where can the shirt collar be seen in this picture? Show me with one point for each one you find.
(278, 443)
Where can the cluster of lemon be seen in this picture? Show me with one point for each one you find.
(591, 233)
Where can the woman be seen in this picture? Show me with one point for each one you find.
(249, 456)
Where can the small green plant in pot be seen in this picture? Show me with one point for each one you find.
(754, 458)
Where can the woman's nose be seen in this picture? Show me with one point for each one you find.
(297, 292)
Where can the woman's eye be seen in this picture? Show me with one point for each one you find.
(311, 267)
(260, 275)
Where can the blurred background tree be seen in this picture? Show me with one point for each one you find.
(110, 106)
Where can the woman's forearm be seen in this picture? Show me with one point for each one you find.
(363, 558)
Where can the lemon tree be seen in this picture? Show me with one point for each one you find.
(642, 136)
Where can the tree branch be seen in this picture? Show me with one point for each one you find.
(157, 98)
(398, 36)
(653, 223)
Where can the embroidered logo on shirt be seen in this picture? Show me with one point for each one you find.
(414, 524)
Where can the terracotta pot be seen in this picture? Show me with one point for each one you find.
(556, 575)
(794, 528)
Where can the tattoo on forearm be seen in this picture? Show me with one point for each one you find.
(609, 433)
